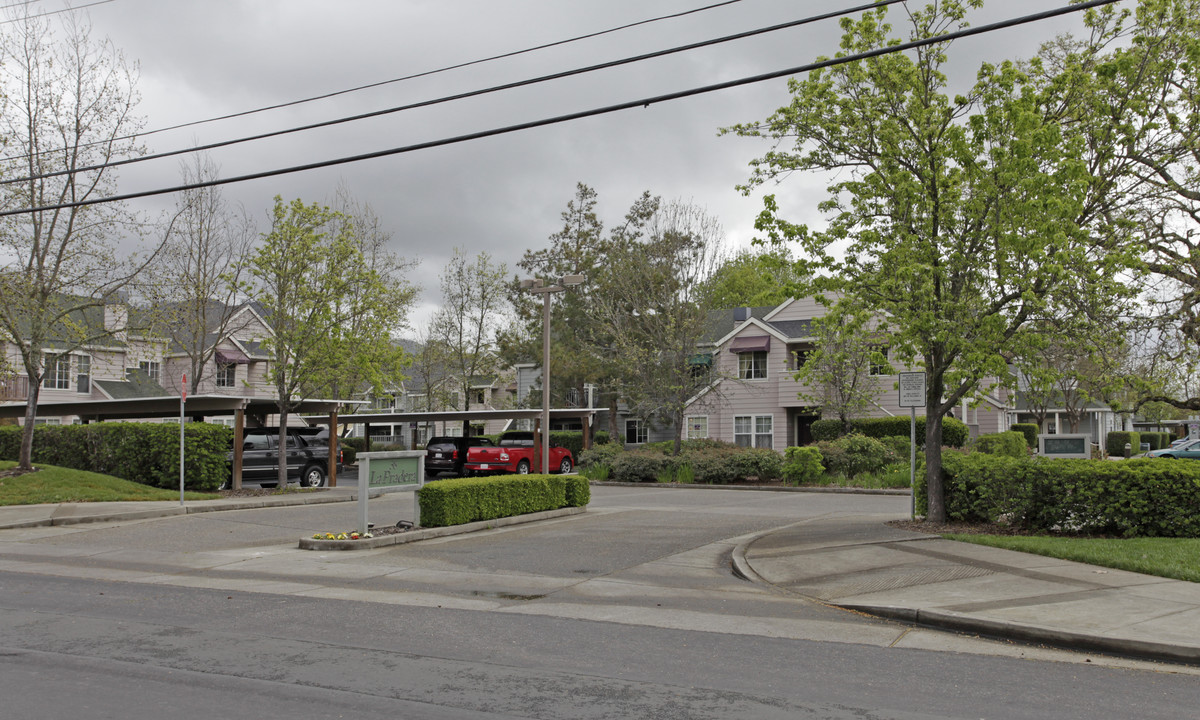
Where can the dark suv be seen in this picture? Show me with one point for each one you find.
(447, 454)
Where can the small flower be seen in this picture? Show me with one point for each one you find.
(317, 536)
(353, 536)
(368, 535)
(330, 536)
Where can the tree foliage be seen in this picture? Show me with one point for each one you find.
(474, 301)
(955, 216)
(837, 375)
(754, 279)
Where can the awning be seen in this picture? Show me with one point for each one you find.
(232, 357)
(760, 343)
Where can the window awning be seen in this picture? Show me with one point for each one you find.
(760, 343)
(231, 357)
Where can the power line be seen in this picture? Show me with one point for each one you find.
(51, 12)
(414, 76)
(645, 102)
(461, 96)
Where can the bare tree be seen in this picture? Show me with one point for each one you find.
(68, 108)
(192, 289)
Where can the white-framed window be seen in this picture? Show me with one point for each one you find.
(47, 421)
(151, 368)
(752, 365)
(753, 430)
(477, 397)
(636, 432)
(697, 427)
(226, 374)
(881, 366)
(83, 373)
(57, 373)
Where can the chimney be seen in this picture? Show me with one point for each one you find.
(741, 314)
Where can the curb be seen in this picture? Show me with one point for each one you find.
(436, 532)
(768, 488)
(945, 620)
(298, 499)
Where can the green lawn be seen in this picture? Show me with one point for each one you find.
(52, 484)
(1177, 558)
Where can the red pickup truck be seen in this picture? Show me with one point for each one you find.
(515, 453)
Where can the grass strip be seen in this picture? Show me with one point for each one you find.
(1177, 558)
(51, 484)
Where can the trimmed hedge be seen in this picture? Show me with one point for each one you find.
(708, 462)
(146, 453)
(954, 432)
(463, 500)
(1009, 444)
(1029, 430)
(1115, 443)
(854, 455)
(1136, 498)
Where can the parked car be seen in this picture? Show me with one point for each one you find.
(307, 457)
(516, 453)
(1185, 449)
(448, 454)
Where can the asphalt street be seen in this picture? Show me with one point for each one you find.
(629, 610)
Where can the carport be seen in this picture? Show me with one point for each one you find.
(252, 410)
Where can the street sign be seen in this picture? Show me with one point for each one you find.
(912, 389)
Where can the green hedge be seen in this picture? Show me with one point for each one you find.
(1115, 444)
(146, 453)
(1029, 430)
(707, 462)
(954, 432)
(1009, 444)
(463, 500)
(1136, 498)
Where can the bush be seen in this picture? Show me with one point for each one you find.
(954, 432)
(1138, 498)
(601, 437)
(1008, 444)
(854, 454)
(146, 453)
(802, 465)
(1115, 444)
(899, 446)
(1029, 430)
(463, 500)
(640, 466)
(599, 454)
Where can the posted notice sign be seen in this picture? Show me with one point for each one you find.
(912, 389)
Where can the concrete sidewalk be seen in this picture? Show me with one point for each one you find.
(49, 514)
(862, 564)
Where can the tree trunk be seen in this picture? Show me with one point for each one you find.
(936, 511)
(281, 450)
(25, 458)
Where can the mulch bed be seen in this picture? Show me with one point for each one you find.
(956, 527)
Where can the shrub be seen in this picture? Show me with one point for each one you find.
(854, 454)
(899, 446)
(146, 453)
(954, 432)
(599, 454)
(826, 430)
(1029, 430)
(639, 466)
(463, 500)
(1115, 444)
(601, 437)
(802, 465)
(1009, 444)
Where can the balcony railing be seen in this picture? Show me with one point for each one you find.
(15, 387)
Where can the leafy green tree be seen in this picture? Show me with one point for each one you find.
(956, 217)
(474, 301)
(838, 375)
(308, 276)
(754, 279)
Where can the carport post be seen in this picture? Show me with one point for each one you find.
(239, 429)
(333, 448)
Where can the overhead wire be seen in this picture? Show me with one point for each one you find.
(461, 96)
(414, 76)
(608, 109)
(51, 12)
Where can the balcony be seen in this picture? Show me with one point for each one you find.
(15, 387)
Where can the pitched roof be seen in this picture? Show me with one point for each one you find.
(137, 384)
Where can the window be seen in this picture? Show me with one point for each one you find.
(635, 432)
(83, 374)
(752, 365)
(880, 365)
(226, 373)
(151, 368)
(799, 357)
(57, 372)
(47, 421)
(477, 397)
(697, 427)
(753, 430)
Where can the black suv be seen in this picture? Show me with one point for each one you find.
(447, 454)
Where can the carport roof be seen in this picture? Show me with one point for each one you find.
(167, 406)
(524, 413)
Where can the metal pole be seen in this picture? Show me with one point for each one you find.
(182, 400)
(912, 464)
(546, 383)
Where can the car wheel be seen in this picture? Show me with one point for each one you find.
(313, 476)
(565, 468)
(523, 467)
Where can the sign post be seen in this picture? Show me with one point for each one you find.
(912, 396)
(182, 400)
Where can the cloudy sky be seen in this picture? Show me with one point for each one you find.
(502, 195)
